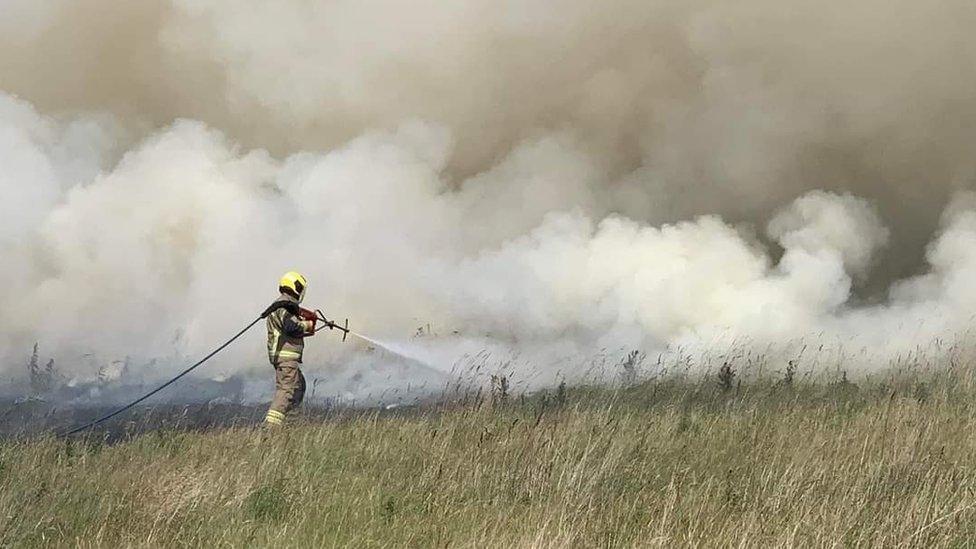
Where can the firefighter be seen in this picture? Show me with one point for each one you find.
(288, 326)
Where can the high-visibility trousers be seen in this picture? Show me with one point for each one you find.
(289, 391)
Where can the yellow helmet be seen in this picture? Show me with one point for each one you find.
(293, 283)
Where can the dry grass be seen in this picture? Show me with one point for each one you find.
(887, 462)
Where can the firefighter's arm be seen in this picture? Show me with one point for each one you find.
(296, 326)
(309, 318)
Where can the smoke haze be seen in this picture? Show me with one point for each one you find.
(551, 178)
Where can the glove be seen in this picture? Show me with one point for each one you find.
(305, 314)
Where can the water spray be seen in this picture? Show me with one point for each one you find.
(344, 328)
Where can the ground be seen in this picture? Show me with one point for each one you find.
(885, 460)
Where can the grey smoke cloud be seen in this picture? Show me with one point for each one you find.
(551, 174)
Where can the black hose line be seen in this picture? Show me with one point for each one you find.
(167, 384)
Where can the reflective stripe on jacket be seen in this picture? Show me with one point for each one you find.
(286, 331)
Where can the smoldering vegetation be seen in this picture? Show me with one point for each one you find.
(50, 406)
(47, 401)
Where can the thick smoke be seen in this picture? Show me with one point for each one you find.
(549, 178)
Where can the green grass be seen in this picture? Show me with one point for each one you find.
(889, 461)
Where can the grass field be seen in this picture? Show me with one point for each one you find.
(884, 461)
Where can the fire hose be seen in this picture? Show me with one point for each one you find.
(318, 315)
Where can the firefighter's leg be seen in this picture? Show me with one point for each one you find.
(287, 376)
(299, 395)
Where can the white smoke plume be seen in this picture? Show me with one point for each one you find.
(553, 178)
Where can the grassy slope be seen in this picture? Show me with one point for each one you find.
(886, 462)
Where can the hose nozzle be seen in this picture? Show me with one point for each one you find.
(332, 325)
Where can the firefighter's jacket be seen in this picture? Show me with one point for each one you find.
(286, 331)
